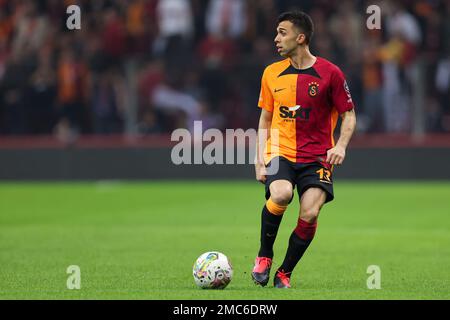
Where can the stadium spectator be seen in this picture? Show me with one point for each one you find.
(175, 31)
(215, 48)
(226, 17)
(108, 102)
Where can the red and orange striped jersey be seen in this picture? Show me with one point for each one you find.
(305, 105)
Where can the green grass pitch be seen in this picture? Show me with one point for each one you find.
(140, 240)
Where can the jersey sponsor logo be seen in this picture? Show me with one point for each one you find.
(295, 112)
(278, 90)
(313, 89)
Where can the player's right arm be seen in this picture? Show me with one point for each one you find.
(265, 121)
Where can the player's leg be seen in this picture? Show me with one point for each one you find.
(281, 192)
(311, 202)
(315, 187)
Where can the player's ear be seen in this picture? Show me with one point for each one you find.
(301, 38)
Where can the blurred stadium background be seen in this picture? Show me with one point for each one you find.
(139, 69)
(148, 67)
(100, 103)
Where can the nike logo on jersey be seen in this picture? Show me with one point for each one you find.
(277, 90)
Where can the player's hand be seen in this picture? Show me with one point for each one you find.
(336, 155)
(261, 172)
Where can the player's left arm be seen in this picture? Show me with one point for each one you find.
(336, 155)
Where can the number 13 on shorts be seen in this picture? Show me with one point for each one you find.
(324, 175)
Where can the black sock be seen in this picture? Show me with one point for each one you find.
(295, 251)
(269, 229)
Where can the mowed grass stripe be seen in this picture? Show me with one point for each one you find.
(139, 240)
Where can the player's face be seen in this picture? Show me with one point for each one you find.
(287, 39)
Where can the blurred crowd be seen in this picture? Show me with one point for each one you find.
(150, 66)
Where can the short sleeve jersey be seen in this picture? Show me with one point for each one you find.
(305, 105)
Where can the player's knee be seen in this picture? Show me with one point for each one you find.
(310, 214)
(281, 194)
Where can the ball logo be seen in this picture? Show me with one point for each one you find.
(203, 266)
(313, 89)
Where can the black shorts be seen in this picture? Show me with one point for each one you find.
(303, 176)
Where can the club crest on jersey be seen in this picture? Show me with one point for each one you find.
(313, 89)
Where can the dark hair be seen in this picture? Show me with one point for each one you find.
(301, 20)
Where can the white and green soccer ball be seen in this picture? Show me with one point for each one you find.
(212, 270)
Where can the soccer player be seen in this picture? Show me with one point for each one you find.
(301, 98)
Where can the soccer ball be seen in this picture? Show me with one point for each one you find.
(212, 270)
